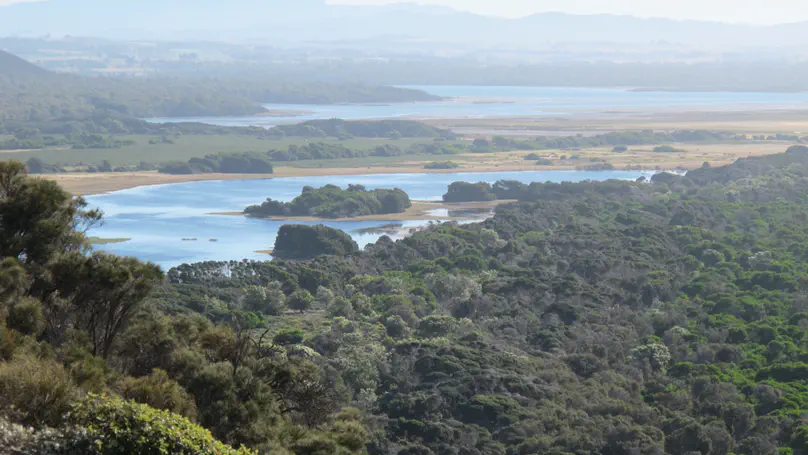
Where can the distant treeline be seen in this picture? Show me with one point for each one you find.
(29, 93)
(323, 151)
(393, 129)
(536, 191)
(617, 138)
(226, 163)
(332, 201)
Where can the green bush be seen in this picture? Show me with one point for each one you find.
(116, 427)
(26, 317)
(35, 392)
(441, 165)
(668, 149)
(159, 392)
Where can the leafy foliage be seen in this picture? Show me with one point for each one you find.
(122, 427)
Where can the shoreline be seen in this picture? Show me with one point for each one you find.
(84, 184)
(420, 211)
(639, 158)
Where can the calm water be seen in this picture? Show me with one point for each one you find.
(158, 218)
(493, 102)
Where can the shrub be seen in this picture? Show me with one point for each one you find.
(668, 149)
(159, 392)
(35, 392)
(289, 337)
(26, 317)
(116, 427)
(442, 165)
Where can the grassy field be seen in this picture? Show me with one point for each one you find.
(184, 148)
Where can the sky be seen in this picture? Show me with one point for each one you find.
(738, 11)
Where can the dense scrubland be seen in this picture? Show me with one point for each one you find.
(616, 318)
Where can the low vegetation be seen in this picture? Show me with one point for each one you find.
(668, 149)
(439, 165)
(391, 129)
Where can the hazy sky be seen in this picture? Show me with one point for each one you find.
(749, 11)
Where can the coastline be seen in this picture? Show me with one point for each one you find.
(638, 159)
(420, 211)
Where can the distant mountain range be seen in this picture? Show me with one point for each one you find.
(313, 20)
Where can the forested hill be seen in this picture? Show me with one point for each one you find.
(30, 94)
(613, 318)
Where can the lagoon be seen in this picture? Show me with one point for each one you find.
(174, 224)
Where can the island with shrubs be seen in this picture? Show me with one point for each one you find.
(334, 202)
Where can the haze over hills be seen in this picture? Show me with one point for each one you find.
(313, 20)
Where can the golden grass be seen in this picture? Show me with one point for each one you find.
(640, 157)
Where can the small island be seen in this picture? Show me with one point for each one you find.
(333, 202)
(300, 242)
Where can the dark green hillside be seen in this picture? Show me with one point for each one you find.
(13, 67)
(30, 95)
(590, 318)
(618, 318)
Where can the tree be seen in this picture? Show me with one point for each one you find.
(324, 297)
(104, 291)
(469, 192)
(269, 300)
(39, 220)
(301, 301)
(35, 166)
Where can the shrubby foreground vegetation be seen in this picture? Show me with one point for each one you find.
(609, 318)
